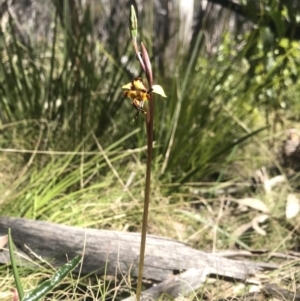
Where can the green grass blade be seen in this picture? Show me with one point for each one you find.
(14, 266)
(50, 284)
(221, 151)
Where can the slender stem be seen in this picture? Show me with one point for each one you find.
(149, 126)
(146, 66)
(146, 206)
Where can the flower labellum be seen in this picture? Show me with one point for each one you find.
(138, 93)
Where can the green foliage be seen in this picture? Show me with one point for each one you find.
(73, 83)
(14, 266)
(272, 57)
(48, 285)
(74, 86)
(204, 123)
(68, 181)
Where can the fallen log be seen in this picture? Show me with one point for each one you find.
(117, 253)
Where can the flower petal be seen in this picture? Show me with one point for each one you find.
(138, 84)
(158, 90)
(127, 86)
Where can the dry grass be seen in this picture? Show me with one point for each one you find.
(205, 218)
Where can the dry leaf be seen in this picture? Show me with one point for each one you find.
(15, 293)
(3, 241)
(258, 220)
(254, 203)
(240, 231)
(292, 206)
(276, 180)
